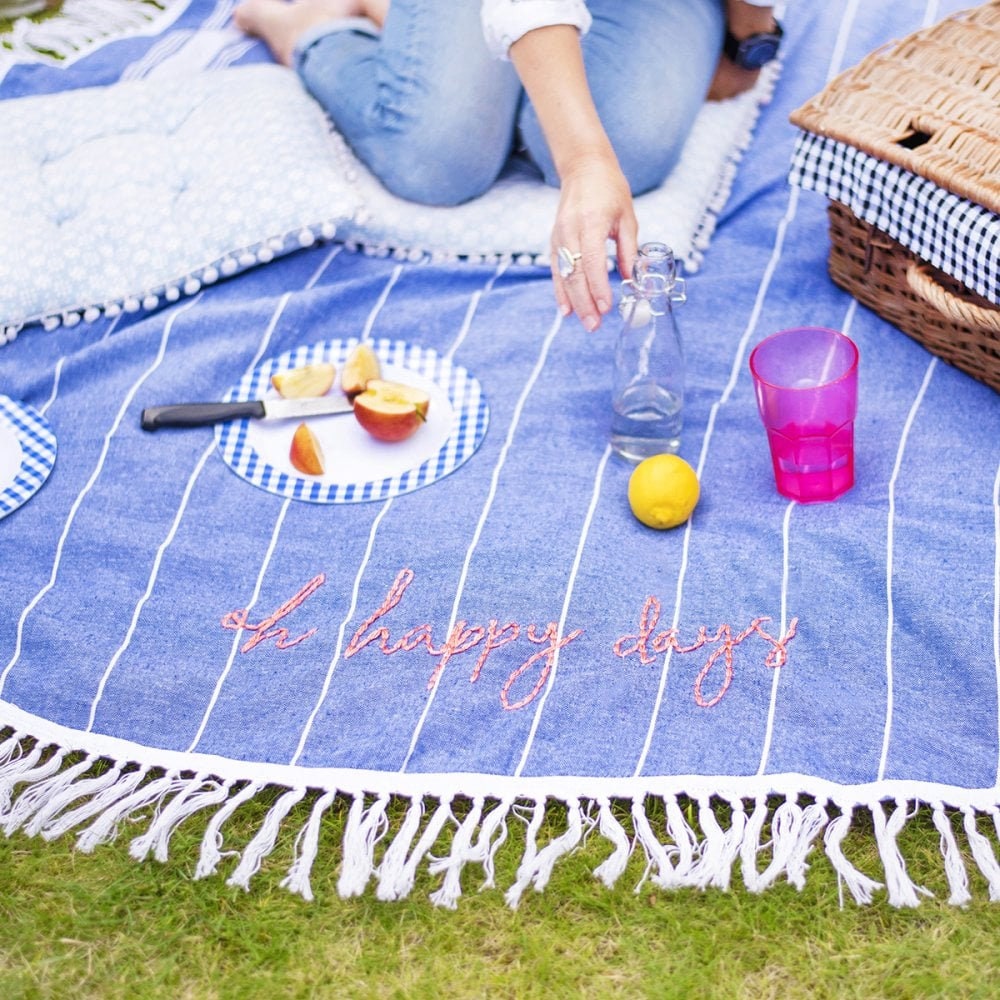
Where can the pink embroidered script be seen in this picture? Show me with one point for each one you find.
(461, 639)
(464, 637)
(265, 629)
(646, 645)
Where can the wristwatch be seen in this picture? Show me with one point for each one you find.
(755, 51)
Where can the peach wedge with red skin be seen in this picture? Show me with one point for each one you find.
(305, 454)
(391, 411)
(305, 381)
(362, 365)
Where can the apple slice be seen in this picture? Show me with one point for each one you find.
(391, 411)
(361, 366)
(306, 454)
(309, 380)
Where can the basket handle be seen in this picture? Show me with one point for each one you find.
(948, 304)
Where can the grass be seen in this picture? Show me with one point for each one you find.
(103, 925)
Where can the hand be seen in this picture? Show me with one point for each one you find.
(731, 80)
(595, 204)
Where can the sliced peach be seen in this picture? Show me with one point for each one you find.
(361, 366)
(391, 411)
(308, 380)
(306, 454)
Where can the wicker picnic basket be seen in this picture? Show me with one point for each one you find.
(929, 104)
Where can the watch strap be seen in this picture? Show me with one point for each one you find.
(734, 48)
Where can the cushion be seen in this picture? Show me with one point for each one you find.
(515, 216)
(136, 193)
(120, 196)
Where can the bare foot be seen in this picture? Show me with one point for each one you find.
(280, 25)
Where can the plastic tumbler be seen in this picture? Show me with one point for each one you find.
(806, 381)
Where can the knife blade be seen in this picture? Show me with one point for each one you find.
(201, 414)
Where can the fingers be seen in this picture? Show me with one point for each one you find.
(580, 279)
(595, 206)
(627, 246)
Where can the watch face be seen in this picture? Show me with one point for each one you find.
(758, 51)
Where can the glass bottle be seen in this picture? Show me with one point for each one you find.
(648, 388)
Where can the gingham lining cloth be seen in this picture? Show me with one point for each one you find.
(952, 233)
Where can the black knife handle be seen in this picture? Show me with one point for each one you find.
(198, 414)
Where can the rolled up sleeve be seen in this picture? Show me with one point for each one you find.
(505, 21)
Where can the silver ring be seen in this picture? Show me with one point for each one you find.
(567, 261)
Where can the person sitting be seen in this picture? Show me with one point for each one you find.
(434, 96)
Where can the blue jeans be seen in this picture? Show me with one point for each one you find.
(435, 117)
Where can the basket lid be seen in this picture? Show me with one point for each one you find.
(929, 103)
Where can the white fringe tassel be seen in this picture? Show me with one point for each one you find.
(860, 886)
(11, 747)
(613, 867)
(105, 828)
(390, 872)
(211, 842)
(97, 793)
(82, 27)
(61, 794)
(785, 830)
(41, 793)
(462, 852)
(658, 857)
(900, 887)
(31, 775)
(306, 849)
(722, 847)
(536, 865)
(363, 830)
(954, 868)
(983, 853)
(398, 872)
(201, 792)
(492, 836)
(48, 783)
(263, 843)
(17, 763)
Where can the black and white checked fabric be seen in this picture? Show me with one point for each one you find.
(952, 233)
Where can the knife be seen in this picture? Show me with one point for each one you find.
(200, 414)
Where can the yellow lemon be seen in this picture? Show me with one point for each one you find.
(663, 491)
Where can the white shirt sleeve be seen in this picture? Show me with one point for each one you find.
(505, 21)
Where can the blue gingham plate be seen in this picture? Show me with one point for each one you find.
(358, 467)
(27, 453)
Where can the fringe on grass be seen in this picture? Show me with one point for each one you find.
(671, 841)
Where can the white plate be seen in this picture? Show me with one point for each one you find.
(358, 467)
(27, 453)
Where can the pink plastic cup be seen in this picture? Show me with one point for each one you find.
(806, 380)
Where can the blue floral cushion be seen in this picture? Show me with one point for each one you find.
(129, 195)
(122, 196)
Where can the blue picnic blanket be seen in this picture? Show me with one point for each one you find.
(504, 632)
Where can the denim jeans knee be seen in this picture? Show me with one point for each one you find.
(423, 104)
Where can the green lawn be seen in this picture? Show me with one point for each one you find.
(103, 925)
